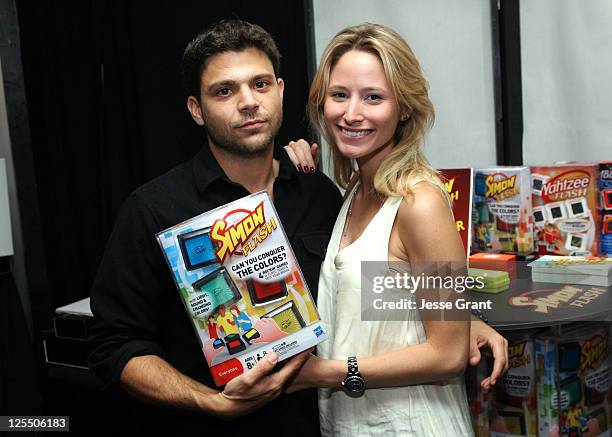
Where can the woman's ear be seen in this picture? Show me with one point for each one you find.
(405, 114)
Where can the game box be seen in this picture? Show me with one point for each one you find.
(573, 374)
(241, 285)
(565, 209)
(501, 211)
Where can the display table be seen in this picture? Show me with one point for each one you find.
(530, 304)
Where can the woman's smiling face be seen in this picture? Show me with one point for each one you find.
(361, 112)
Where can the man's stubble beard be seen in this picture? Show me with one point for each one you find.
(230, 143)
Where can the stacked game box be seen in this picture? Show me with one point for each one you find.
(578, 386)
(590, 270)
(458, 183)
(605, 189)
(494, 261)
(513, 409)
(501, 211)
(478, 399)
(565, 209)
(241, 285)
(493, 281)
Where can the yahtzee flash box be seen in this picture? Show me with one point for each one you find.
(501, 211)
(241, 285)
(565, 210)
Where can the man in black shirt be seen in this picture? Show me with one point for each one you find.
(142, 335)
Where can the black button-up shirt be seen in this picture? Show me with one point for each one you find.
(138, 310)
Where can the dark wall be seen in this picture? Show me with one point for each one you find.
(107, 110)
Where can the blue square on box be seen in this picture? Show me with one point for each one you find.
(197, 248)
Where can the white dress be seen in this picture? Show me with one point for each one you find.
(418, 410)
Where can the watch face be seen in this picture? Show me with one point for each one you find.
(354, 384)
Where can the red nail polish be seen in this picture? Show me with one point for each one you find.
(312, 169)
(299, 167)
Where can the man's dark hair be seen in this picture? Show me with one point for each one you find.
(224, 36)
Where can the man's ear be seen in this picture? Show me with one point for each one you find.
(195, 110)
(281, 87)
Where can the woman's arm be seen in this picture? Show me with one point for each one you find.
(424, 232)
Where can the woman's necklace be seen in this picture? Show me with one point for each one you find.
(350, 213)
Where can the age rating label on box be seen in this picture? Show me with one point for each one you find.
(34, 423)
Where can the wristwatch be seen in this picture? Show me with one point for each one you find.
(353, 384)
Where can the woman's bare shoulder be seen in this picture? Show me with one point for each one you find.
(426, 199)
(426, 225)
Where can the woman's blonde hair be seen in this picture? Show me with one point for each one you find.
(406, 165)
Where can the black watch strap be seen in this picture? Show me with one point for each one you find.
(352, 366)
(478, 313)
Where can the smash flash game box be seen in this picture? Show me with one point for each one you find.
(513, 410)
(478, 399)
(573, 373)
(458, 184)
(501, 211)
(565, 209)
(241, 286)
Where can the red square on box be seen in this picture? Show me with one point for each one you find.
(606, 198)
(607, 224)
(263, 292)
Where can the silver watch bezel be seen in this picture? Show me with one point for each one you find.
(353, 383)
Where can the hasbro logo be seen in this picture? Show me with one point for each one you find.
(318, 331)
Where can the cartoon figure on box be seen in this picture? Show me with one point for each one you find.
(484, 236)
(550, 234)
(212, 328)
(575, 418)
(577, 423)
(241, 319)
(488, 235)
(226, 321)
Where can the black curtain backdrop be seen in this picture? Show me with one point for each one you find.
(107, 109)
(18, 378)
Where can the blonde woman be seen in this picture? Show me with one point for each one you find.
(370, 102)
